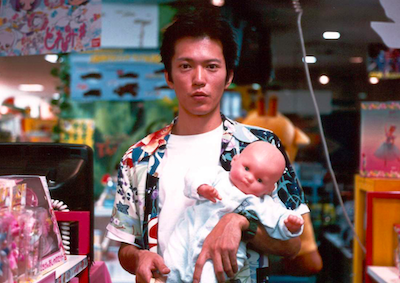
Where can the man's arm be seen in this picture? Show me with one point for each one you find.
(264, 244)
(222, 244)
(143, 263)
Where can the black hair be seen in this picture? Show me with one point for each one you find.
(199, 23)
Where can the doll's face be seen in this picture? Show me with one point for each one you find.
(26, 4)
(6, 40)
(256, 170)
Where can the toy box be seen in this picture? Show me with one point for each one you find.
(30, 239)
(380, 139)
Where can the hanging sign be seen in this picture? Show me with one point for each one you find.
(49, 26)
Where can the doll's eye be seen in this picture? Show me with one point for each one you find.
(246, 168)
(259, 180)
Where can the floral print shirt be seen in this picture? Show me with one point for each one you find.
(135, 213)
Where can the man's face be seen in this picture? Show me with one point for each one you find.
(198, 76)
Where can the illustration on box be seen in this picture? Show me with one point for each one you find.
(380, 140)
(30, 241)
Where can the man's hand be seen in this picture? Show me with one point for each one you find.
(221, 246)
(150, 265)
(143, 263)
(209, 192)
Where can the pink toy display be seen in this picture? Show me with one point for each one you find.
(380, 139)
(30, 241)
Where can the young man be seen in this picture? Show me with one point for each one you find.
(199, 53)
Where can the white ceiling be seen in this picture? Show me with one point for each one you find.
(26, 70)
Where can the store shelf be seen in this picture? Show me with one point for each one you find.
(65, 272)
(384, 274)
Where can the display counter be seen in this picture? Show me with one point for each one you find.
(383, 274)
(65, 272)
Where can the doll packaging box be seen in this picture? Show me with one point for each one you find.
(380, 139)
(30, 240)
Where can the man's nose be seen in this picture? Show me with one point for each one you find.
(199, 76)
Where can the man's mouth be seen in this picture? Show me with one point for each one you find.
(199, 93)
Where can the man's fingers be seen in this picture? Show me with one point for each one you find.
(219, 269)
(226, 261)
(162, 268)
(143, 277)
(233, 261)
(198, 269)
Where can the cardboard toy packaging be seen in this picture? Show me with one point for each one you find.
(380, 139)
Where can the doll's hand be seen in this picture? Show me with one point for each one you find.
(209, 193)
(293, 223)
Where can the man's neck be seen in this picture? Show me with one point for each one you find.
(194, 125)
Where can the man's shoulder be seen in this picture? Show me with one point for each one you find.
(148, 145)
(249, 132)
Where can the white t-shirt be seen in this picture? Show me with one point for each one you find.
(205, 150)
(182, 153)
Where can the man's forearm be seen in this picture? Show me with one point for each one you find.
(263, 243)
(128, 255)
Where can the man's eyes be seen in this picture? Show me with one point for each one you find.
(213, 66)
(184, 66)
(246, 168)
(259, 180)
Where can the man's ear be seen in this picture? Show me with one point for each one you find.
(229, 80)
(169, 81)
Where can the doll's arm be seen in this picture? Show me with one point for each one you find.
(196, 177)
(209, 192)
(274, 218)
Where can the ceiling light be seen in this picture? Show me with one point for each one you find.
(331, 35)
(373, 80)
(52, 58)
(218, 3)
(324, 79)
(30, 87)
(356, 60)
(310, 59)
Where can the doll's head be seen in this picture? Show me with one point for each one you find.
(257, 168)
(26, 5)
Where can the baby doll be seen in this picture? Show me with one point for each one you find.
(248, 186)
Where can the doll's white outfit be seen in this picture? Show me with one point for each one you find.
(186, 241)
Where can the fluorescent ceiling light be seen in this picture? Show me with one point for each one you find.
(310, 59)
(52, 58)
(30, 87)
(331, 35)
